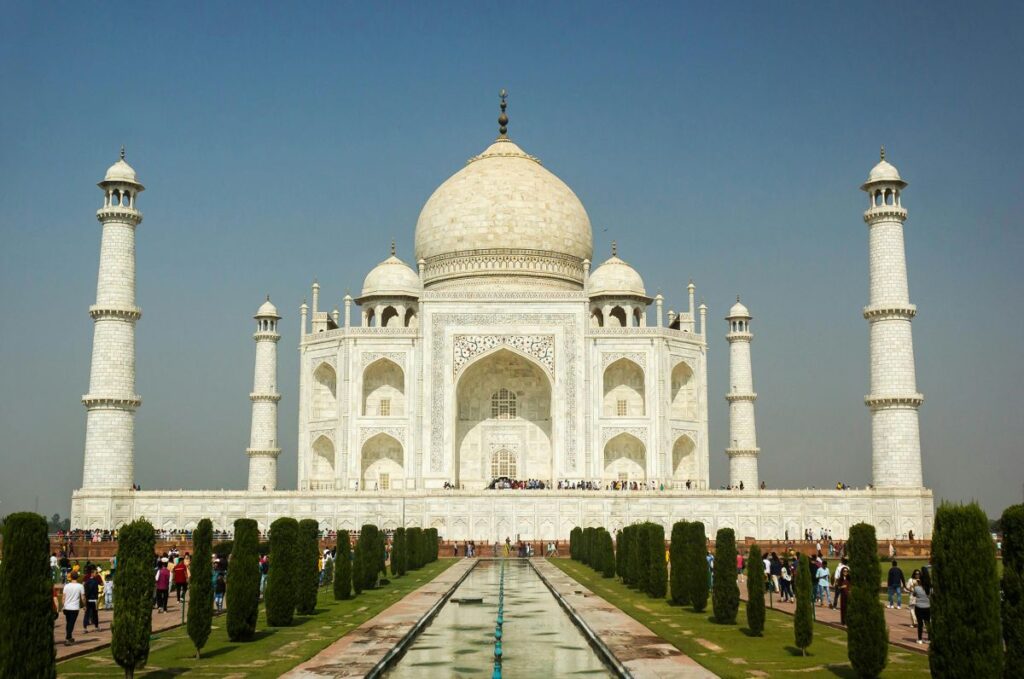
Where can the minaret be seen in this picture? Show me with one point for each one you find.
(894, 399)
(111, 401)
(743, 448)
(263, 445)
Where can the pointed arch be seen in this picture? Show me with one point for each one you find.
(325, 392)
(684, 392)
(684, 459)
(387, 315)
(382, 463)
(383, 389)
(596, 318)
(617, 318)
(322, 462)
(625, 458)
(624, 390)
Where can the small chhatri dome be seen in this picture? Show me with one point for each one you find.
(884, 171)
(738, 310)
(267, 310)
(616, 278)
(121, 171)
(391, 278)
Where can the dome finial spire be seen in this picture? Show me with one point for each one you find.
(615, 249)
(881, 153)
(392, 247)
(737, 298)
(122, 151)
(503, 118)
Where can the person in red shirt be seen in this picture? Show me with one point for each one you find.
(180, 576)
(163, 581)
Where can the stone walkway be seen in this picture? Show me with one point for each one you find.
(898, 620)
(644, 654)
(97, 639)
(357, 652)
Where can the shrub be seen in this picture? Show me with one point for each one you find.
(343, 567)
(966, 628)
(803, 619)
(200, 586)
(726, 592)
(608, 548)
(755, 591)
(133, 596)
(633, 564)
(414, 544)
(697, 572)
(398, 553)
(26, 635)
(307, 573)
(620, 554)
(434, 544)
(367, 561)
(643, 557)
(677, 550)
(1012, 525)
(657, 582)
(867, 643)
(285, 562)
(243, 585)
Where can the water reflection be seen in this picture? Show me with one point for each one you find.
(538, 637)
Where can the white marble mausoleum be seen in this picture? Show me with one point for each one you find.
(503, 349)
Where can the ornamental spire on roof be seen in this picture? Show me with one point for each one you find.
(503, 118)
(122, 151)
(392, 247)
(881, 152)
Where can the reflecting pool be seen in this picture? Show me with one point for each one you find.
(538, 638)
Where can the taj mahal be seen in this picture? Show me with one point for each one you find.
(502, 349)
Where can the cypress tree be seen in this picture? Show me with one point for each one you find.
(200, 586)
(643, 557)
(620, 554)
(755, 592)
(609, 555)
(26, 599)
(697, 573)
(367, 562)
(657, 583)
(574, 543)
(133, 596)
(413, 540)
(725, 591)
(307, 573)
(677, 551)
(435, 544)
(398, 553)
(285, 563)
(243, 585)
(1012, 525)
(966, 634)
(867, 643)
(343, 567)
(803, 619)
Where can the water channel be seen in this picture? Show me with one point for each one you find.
(538, 638)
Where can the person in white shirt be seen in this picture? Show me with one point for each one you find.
(74, 600)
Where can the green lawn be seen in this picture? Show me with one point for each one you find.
(727, 650)
(274, 651)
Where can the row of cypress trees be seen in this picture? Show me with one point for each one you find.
(688, 553)
(593, 547)
(640, 560)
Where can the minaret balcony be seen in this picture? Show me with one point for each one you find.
(731, 398)
(888, 312)
(883, 401)
(262, 452)
(884, 212)
(119, 214)
(742, 452)
(127, 313)
(739, 336)
(266, 335)
(264, 398)
(96, 401)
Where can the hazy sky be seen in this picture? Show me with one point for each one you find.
(291, 142)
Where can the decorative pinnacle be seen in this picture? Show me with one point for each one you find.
(737, 298)
(503, 118)
(268, 298)
(615, 249)
(122, 151)
(881, 152)
(392, 247)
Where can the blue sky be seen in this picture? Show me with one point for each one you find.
(727, 144)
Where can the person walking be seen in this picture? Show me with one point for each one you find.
(823, 576)
(842, 593)
(73, 601)
(91, 586)
(108, 592)
(896, 582)
(911, 600)
(786, 583)
(922, 606)
(163, 586)
(220, 586)
(180, 576)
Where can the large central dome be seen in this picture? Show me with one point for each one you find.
(504, 219)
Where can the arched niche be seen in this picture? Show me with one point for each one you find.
(625, 459)
(325, 392)
(389, 317)
(684, 459)
(617, 318)
(596, 318)
(383, 389)
(382, 463)
(684, 393)
(488, 421)
(623, 390)
(322, 462)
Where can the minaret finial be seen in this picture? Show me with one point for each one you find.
(503, 118)
(122, 151)
(392, 247)
(881, 153)
(737, 298)
(268, 297)
(615, 249)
